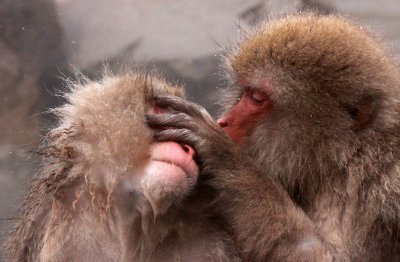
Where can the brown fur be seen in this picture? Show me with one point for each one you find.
(77, 208)
(346, 181)
(318, 178)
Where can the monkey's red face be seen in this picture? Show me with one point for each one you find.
(252, 106)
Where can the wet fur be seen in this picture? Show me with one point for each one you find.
(77, 208)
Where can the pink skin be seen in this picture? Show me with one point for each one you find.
(169, 176)
(176, 159)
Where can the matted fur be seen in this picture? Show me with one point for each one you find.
(77, 208)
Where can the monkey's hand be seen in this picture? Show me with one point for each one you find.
(191, 124)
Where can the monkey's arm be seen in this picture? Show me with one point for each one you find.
(265, 221)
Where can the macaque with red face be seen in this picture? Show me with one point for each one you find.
(108, 192)
(306, 157)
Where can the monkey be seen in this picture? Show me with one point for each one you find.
(107, 191)
(306, 154)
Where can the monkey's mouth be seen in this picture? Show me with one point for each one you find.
(169, 162)
(174, 156)
(190, 169)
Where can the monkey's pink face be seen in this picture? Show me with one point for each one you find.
(170, 173)
(175, 162)
(243, 116)
(177, 159)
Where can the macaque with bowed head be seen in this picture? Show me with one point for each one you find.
(306, 157)
(108, 192)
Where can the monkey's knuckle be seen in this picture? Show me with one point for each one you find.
(183, 117)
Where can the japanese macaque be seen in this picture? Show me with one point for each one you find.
(308, 168)
(108, 192)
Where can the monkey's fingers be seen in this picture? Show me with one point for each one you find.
(178, 121)
(184, 136)
(181, 105)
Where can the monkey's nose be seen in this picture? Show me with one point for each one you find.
(188, 149)
(222, 123)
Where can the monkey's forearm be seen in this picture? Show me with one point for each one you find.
(265, 221)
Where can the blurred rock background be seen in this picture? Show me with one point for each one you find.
(44, 40)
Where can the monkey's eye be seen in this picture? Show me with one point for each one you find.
(258, 98)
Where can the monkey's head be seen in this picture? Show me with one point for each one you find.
(309, 93)
(103, 136)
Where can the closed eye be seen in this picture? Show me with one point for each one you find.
(258, 97)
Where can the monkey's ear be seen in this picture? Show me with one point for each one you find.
(363, 112)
